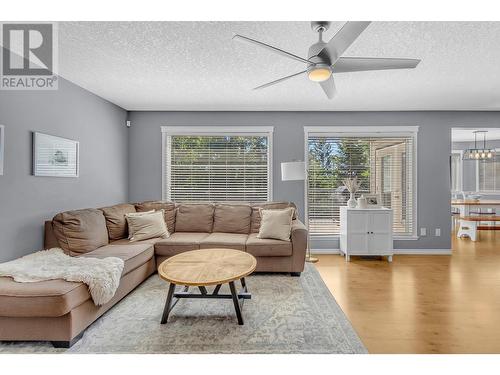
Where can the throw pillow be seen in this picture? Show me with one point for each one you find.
(135, 214)
(146, 225)
(256, 207)
(276, 224)
(168, 207)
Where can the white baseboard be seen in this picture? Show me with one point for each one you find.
(325, 251)
(423, 251)
(396, 251)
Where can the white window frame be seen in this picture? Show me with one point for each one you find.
(367, 131)
(263, 131)
(461, 171)
(485, 192)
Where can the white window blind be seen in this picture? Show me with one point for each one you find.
(456, 171)
(488, 175)
(384, 165)
(217, 167)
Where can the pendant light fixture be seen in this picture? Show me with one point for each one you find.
(479, 153)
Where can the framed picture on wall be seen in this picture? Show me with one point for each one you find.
(55, 156)
(2, 146)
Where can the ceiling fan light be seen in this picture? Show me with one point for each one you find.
(319, 74)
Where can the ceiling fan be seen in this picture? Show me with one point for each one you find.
(325, 58)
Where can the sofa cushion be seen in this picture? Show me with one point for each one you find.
(194, 217)
(263, 247)
(168, 211)
(116, 221)
(134, 255)
(256, 207)
(80, 231)
(45, 298)
(126, 241)
(232, 218)
(179, 242)
(224, 240)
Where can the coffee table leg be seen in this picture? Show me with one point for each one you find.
(168, 304)
(236, 302)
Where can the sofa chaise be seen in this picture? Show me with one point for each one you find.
(59, 311)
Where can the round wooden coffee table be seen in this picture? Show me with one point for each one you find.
(202, 268)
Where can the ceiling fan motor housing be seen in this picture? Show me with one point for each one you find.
(317, 61)
(315, 57)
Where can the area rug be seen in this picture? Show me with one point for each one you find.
(285, 315)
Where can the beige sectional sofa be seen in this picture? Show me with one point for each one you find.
(60, 311)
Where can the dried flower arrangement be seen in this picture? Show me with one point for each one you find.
(352, 184)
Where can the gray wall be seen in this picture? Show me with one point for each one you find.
(434, 145)
(70, 112)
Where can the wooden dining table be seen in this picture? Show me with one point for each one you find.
(469, 205)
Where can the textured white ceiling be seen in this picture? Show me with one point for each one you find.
(196, 66)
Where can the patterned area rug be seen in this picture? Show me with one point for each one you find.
(285, 315)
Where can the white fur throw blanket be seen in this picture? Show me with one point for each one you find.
(101, 275)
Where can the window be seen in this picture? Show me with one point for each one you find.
(219, 164)
(456, 171)
(488, 176)
(383, 162)
(386, 180)
(404, 202)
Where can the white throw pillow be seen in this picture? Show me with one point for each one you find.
(135, 214)
(140, 213)
(146, 225)
(276, 224)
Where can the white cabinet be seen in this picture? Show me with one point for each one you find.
(366, 232)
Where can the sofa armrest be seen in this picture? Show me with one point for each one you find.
(298, 228)
(299, 245)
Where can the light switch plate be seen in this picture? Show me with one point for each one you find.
(438, 232)
(423, 231)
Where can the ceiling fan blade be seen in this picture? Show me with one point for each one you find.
(328, 87)
(342, 40)
(359, 64)
(270, 48)
(279, 80)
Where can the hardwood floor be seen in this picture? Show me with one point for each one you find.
(423, 304)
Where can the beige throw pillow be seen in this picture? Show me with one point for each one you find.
(276, 224)
(146, 225)
(135, 214)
